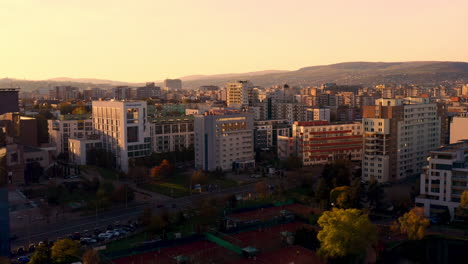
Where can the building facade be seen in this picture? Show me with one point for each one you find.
(266, 133)
(315, 114)
(444, 179)
(169, 134)
(319, 142)
(123, 129)
(68, 126)
(398, 135)
(239, 94)
(224, 139)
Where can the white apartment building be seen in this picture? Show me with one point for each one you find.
(224, 139)
(239, 94)
(398, 135)
(444, 179)
(123, 128)
(169, 134)
(314, 114)
(79, 148)
(68, 126)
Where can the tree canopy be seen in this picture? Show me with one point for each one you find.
(91, 256)
(341, 197)
(65, 250)
(345, 232)
(41, 255)
(413, 224)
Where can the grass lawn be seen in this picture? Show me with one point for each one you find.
(177, 185)
(126, 243)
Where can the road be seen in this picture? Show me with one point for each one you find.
(40, 232)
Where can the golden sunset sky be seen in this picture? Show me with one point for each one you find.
(148, 40)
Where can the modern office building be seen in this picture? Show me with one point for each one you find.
(123, 129)
(9, 100)
(68, 126)
(169, 134)
(398, 135)
(321, 142)
(239, 93)
(172, 84)
(444, 179)
(224, 139)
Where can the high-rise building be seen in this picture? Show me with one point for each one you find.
(444, 179)
(289, 111)
(122, 92)
(319, 142)
(172, 84)
(464, 90)
(9, 100)
(398, 135)
(224, 139)
(123, 129)
(239, 93)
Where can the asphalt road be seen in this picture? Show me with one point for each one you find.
(34, 233)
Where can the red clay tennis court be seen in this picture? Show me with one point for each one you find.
(286, 255)
(197, 252)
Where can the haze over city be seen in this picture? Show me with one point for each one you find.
(145, 40)
(233, 132)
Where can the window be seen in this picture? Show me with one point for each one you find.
(132, 134)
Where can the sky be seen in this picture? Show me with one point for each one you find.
(150, 40)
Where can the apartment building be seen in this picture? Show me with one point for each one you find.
(398, 135)
(321, 142)
(289, 111)
(123, 129)
(169, 134)
(314, 114)
(459, 128)
(266, 133)
(66, 127)
(239, 93)
(224, 139)
(444, 179)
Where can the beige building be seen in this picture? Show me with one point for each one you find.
(239, 93)
(459, 128)
(80, 147)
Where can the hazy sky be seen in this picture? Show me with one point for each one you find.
(147, 40)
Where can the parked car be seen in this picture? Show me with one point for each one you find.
(105, 235)
(23, 259)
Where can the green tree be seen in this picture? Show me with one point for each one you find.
(91, 256)
(65, 251)
(41, 255)
(345, 232)
(413, 224)
(341, 197)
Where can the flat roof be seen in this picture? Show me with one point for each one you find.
(452, 147)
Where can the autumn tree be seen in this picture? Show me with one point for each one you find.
(91, 256)
(162, 171)
(462, 210)
(79, 109)
(198, 177)
(341, 197)
(65, 251)
(345, 232)
(41, 255)
(413, 224)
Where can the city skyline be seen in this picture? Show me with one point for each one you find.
(49, 39)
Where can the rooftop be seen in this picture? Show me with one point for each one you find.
(453, 147)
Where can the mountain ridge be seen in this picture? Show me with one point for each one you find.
(360, 72)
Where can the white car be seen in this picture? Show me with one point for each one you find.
(105, 235)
